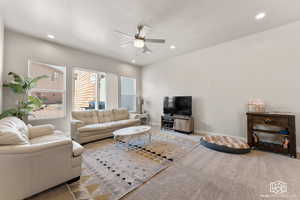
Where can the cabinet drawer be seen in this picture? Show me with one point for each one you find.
(275, 121)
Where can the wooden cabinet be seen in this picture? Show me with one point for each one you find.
(284, 124)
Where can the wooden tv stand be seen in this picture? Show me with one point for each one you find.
(179, 123)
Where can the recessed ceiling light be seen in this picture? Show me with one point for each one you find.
(260, 16)
(50, 36)
(172, 47)
(133, 61)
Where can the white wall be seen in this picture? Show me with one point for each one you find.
(223, 78)
(1, 60)
(20, 48)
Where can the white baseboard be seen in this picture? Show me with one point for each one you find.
(156, 124)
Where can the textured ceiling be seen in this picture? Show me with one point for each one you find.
(89, 24)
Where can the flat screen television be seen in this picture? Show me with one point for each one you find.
(178, 105)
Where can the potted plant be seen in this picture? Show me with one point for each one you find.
(26, 104)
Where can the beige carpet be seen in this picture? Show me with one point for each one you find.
(210, 175)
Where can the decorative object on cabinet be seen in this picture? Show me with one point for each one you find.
(256, 105)
(143, 117)
(140, 103)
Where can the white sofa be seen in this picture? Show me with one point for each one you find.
(43, 158)
(91, 125)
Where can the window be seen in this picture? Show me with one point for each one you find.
(50, 90)
(128, 93)
(89, 90)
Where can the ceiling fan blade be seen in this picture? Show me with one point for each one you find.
(126, 43)
(143, 30)
(155, 40)
(138, 53)
(146, 50)
(123, 34)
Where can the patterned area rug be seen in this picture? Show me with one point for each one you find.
(110, 170)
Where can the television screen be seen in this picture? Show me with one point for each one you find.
(183, 105)
(179, 105)
(169, 106)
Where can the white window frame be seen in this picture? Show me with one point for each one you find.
(135, 89)
(47, 90)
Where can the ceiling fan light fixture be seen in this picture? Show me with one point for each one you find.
(139, 43)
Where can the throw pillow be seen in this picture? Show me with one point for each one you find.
(13, 131)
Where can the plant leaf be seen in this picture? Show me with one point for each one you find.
(21, 86)
(35, 101)
(33, 82)
(17, 78)
(9, 112)
(17, 88)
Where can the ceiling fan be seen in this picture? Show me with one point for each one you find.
(139, 40)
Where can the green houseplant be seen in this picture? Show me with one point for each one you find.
(26, 104)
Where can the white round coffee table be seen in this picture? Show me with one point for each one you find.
(133, 131)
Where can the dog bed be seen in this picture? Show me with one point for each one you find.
(225, 144)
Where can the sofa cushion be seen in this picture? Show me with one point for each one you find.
(107, 126)
(126, 122)
(87, 116)
(96, 134)
(105, 116)
(58, 135)
(13, 131)
(120, 114)
(77, 149)
(19, 124)
(98, 126)
(40, 130)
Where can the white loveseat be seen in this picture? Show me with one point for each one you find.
(91, 125)
(40, 159)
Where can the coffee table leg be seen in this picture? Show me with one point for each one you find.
(149, 137)
(115, 139)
